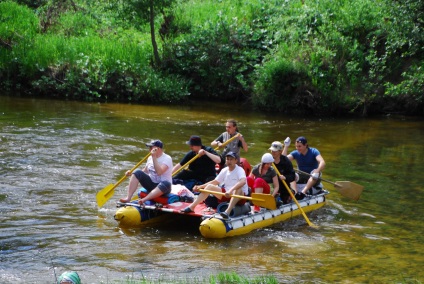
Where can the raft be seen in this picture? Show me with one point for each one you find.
(216, 228)
(242, 220)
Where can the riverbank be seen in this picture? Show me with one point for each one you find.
(292, 57)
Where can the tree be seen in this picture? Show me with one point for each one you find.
(146, 10)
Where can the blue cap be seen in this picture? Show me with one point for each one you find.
(156, 143)
(231, 154)
(302, 140)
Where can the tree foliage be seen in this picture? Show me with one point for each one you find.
(315, 57)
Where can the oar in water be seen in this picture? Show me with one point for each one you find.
(106, 193)
(259, 199)
(197, 156)
(346, 188)
(294, 198)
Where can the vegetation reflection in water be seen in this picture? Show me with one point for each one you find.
(68, 151)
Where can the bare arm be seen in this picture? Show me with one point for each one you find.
(285, 150)
(237, 186)
(321, 164)
(215, 158)
(201, 186)
(276, 185)
(176, 167)
(243, 143)
(159, 168)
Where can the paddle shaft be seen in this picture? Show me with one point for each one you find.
(232, 195)
(133, 169)
(346, 188)
(197, 155)
(333, 183)
(293, 197)
(106, 193)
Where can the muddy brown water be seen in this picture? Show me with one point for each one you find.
(56, 155)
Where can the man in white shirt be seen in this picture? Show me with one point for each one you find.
(231, 181)
(156, 176)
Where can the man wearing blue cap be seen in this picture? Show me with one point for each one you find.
(308, 160)
(156, 176)
(231, 181)
(201, 169)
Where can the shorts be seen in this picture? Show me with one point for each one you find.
(146, 182)
(165, 187)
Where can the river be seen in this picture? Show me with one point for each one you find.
(56, 155)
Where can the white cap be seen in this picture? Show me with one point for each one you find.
(267, 158)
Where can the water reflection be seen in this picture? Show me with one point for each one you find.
(55, 156)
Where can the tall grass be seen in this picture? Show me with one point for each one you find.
(305, 56)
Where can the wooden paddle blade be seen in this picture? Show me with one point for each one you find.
(105, 194)
(349, 189)
(264, 200)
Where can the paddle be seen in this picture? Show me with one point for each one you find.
(294, 198)
(106, 193)
(259, 199)
(197, 156)
(346, 188)
(194, 158)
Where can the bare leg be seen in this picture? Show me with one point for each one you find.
(233, 201)
(156, 192)
(293, 185)
(203, 195)
(258, 190)
(311, 182)
(133, 185)
(200, 198)
(231, 205)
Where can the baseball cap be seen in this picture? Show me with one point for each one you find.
(267, 158)
(194, 141)
(302, 140)
(231, 154)
(276, 146)
(156, 143)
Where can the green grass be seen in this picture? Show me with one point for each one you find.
(221, 278)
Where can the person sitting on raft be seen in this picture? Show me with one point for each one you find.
(261, 176)
(234, 146)
(156, 177)
(285, 167)
(233, 181)
(202, 169)
(309, 160)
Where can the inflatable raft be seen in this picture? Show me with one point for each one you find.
(242, 220)
(216, 227)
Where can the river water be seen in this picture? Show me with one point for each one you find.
(56, 155)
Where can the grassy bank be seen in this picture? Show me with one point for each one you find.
(318, 58)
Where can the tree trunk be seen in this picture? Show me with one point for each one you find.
(152, 34)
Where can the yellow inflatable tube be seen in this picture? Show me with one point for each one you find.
(218, 228)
